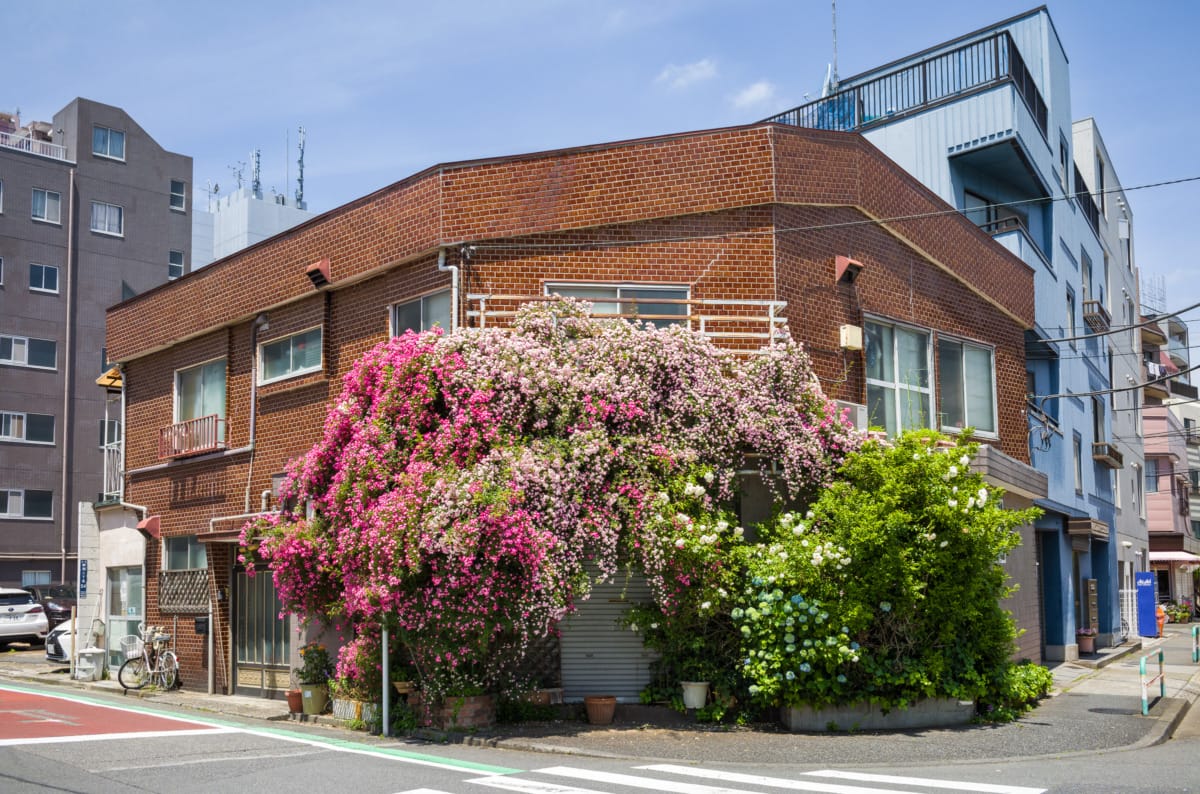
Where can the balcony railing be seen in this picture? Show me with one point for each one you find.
(1152, 372)
(1107, 453)
(193, 437)
(932, 81)
(744, 326)
(13, 140)
(1096, 316)
(112, 473)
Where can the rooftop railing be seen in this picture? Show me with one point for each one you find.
(932, 81)
(13, 140)
(192, 437)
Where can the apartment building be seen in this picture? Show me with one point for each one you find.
(92, 211)
(985, 121)
(733, 231)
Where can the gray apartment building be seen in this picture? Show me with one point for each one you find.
(92, 211)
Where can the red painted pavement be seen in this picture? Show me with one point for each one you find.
(24, 715)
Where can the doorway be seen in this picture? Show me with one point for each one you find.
(261, 640)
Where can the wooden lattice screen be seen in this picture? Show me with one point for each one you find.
(183, 591)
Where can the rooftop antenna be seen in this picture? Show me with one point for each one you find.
(300, 173)
(256, 184)
(287, 163)
(238, 172)
(213, 190)
(835, 72)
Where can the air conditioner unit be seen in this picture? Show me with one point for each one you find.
(855, 412)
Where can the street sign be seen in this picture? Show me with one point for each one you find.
(83, 578)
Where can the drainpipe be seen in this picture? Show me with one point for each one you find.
(259, 322)
(442, 266)
(68, 371)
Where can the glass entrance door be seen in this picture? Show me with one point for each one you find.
(126, 600)
(262, 643)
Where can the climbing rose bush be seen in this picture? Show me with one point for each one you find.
(466, 485)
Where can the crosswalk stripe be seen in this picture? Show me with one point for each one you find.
(423, 791)
(832, 788)
(530, 786)
(695, 788)
(984, 788)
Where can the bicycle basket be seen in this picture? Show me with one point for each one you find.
(131, 646)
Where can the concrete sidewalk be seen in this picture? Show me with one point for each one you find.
(1097, 706)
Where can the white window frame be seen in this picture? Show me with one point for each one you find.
(189, 368)
(106, 230)
(46, 203)
(991, 351)
(320, 366)
(110, 433)
(182, 196)
(19, 493)
(1077, 454)
(43, 290)
(23, 417)
(558, 287)
(898, 387)
(107, 154)
(182, 264)
(1, 271)
(1, 196)
(23, 359)
(423, 300)
(193, 546)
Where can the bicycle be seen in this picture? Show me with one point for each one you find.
(147, 660)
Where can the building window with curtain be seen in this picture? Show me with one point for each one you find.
(200, 391)
(422, 314)
(966, 386)
(899, 395)
(108, 219)
(1151, 475)
(293, 355)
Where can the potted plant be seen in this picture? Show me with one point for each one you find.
(695, 677)
(353, 701)
(1087, 640)
(295, 698)
(314, 673)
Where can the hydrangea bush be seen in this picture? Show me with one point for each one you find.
(466, 484)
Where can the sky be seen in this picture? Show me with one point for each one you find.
(386, 89)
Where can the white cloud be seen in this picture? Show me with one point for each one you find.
(682, 76)
(759, 93)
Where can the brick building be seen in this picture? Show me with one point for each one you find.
(227, 373)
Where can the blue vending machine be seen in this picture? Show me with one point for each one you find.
(1147, 619)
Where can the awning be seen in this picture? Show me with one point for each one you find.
(1173, 556)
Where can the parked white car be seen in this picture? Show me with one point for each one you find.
(22, 618)
(58, 643)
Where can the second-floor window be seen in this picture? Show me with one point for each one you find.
(178, 195)
(422, 314)
(27, 352)
(30, 428)
(43, 278)
(46, 205)
(1151, 475)
(174, 264)
(27, 503)
(898, 389)
(200, 391)
(966, 386)
(290, 356)
(184, 553)
(108, 142)
(630, 302)
(108, 218)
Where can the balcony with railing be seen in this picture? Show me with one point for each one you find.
(1107, 453)
(1096, 316)
(23, 142)
(192, 437)
(1087, 204)
(934, 80)
(113, 474)
(744, 326)
(1013, 234)
(1153, 375)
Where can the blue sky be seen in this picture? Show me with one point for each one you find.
(385, 89)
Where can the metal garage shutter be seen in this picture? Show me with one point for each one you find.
(598, 658)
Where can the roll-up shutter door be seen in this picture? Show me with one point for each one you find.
(598, 657)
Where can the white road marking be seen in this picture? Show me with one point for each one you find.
(529, 786)
(107, 737)
(423, 791)
(222, 759)
(833, 788)
(985, 788)
(634, 781)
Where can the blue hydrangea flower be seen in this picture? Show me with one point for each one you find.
(806, 668)
(791, 676)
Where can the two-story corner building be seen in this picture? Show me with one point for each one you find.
(985, 122)
(92, 211)
(1110, 307)
(228, 373)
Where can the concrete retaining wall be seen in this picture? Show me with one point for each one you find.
(932, 713)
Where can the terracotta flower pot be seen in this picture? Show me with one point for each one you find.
(295, 700)
(600, 709)
(1087, 643)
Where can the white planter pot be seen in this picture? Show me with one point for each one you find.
(695, 694)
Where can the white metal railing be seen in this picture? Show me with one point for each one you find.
(13, 140)
(738, 324)
(1161, 678)
(1128, 613)
(112, 472)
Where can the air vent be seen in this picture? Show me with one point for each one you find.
(855, 412)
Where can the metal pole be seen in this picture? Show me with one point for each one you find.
(1195, 644)
(74, 643)
(1142, 678)
(1162, 676)
(212, 672)
(387, 684)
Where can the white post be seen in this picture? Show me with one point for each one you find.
(387, 684)
(74, 643)
(212, 673)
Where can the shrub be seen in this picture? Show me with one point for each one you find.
(1013, 691)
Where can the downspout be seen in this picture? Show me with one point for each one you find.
(442, 266)
(68, 371)
(259, 322)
